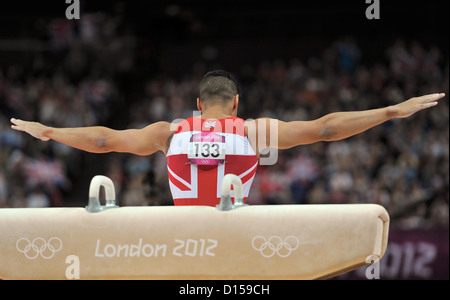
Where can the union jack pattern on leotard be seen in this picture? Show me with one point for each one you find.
(193, 184)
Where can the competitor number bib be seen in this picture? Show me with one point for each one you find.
(207, 148)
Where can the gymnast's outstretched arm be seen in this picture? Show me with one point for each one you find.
(99, 139)
(341, 125)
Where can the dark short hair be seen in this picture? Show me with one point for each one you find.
(218, 87)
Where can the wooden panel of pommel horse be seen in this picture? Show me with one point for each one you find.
(232, 241)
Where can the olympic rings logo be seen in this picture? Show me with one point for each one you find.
(275, 245)
(39, 246)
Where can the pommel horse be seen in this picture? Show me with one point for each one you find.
(230, 241)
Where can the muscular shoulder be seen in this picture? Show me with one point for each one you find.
(158, 135)
(257, 137)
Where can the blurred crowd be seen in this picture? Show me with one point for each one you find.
(402, 165)
(69, 84)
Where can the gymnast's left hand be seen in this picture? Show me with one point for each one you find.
(413, 105)
(34, 129)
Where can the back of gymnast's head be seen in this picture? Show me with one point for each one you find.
(218, 87)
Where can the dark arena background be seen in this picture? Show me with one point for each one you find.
(126, 64)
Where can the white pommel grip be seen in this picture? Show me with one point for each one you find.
(94, 194)
(225, 199)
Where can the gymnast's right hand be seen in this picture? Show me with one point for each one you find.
(34, 129)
